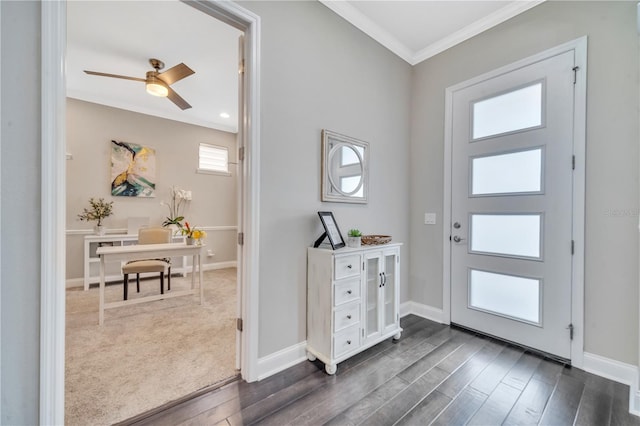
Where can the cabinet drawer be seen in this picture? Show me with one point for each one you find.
(347, 266)
(346, 316)
(346, 341)
(346, 291)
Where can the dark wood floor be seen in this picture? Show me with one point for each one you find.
(433, 375)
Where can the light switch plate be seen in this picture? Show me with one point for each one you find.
(429, 218)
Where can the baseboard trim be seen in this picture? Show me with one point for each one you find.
(281, 360)
(219, 265)
(617, 371)
(424, 311)
(79, 282)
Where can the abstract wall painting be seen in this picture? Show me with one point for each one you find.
(133, 170)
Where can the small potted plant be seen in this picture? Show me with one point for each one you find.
(99, 209)
(354, 238)
(194, 236)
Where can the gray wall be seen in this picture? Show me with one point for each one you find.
(90, 129)
(319, 72)
(20, 212)
(611, 284)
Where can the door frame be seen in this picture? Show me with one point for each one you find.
(53, 170)
(579, 47)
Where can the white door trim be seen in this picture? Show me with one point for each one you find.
(579, 46)
(53, 100)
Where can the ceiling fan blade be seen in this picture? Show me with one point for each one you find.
(176, 73)
(104, 74)
(176, 99)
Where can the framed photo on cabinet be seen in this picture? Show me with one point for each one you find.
(331, 230)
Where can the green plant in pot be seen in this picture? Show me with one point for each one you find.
(98, 210)
(354, 238)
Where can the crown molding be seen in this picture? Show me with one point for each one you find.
(379, 34)
(472, 30)
(369, 27)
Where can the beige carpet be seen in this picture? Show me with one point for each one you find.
(147, 354)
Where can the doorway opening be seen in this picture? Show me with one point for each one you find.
(53, 210)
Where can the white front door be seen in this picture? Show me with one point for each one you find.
(511, 205)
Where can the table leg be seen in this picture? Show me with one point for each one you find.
(200, 277)
(193, 272)
(101, 311)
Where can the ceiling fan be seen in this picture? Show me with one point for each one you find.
(157, 82)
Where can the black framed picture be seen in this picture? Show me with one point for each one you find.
(331, 230)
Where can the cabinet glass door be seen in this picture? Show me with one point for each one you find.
(389, 287)
(373, 286)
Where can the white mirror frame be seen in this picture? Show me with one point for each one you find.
(331, 141)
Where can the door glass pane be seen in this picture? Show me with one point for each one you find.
(510, 235)
(508, 112)
(505, 295)
(389, 290)
(373, 285)
(515, 172)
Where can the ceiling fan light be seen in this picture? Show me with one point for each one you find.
(157, 87)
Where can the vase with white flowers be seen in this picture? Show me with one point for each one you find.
(99, 209)
(179, 198)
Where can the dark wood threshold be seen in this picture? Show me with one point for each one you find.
(142, 416)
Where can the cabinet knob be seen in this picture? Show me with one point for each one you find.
(348, 342)
(349, 266)
(349, 316)
(348, 291)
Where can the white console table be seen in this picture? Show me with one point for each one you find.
(114, 272)
(149, 251)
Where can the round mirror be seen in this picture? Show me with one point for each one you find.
(346, 170)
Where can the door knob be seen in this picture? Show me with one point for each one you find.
(457, 239)
(456, 225)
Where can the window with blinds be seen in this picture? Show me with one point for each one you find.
(213, 159)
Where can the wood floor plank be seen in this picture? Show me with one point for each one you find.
(426, 411)
(338, 399)
(620, 415)
(595, 407)
(275, 401)
(462, 354)
(426, 363)
(464, 375)
(548, 371)
(563, 404)
(461, 409)
(530, 406)
(496, 407)
(370, 403)
(521, 373)
(353, 378)
(406, 400)
(185, 411)
(212, 416)
(491, 377)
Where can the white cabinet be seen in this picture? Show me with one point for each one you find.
(352, 300)
(113, 270)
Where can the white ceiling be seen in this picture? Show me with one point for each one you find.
(119, 37)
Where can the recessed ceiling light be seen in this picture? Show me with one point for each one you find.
(224, 115)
